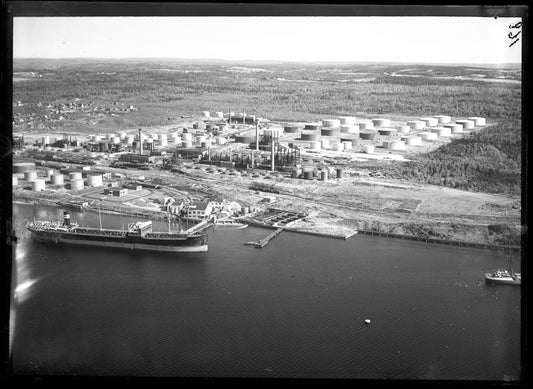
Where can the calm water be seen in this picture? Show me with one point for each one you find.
(295, 308)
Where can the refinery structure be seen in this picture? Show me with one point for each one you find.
(223, 167)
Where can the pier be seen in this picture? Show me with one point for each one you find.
(199, 227)
(266, 240)
(441, 241)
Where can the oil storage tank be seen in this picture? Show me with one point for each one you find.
(430, 121)
(455, 128)
(38, 185)
(76, 184)
(94, 180)
(347, 120)
(416, 124)
(443, 119)
(387, 131)
(442, 131)
(477, 120)
(366, 125)
(381, 122)
(349, 128)
(74, 176)
(57, 179)
(467, 124)
(331, 122)
(30, 175)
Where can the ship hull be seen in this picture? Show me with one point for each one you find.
(185, 244)
(501, 280)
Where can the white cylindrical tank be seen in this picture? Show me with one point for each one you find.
(122, 135)
(347, 145)
(38, 185)
(369, 149)
(442, 131)
(324, 143)
(116, 140)
(455, 128)
(45, 140)
(443, 119)
(94, 180)
(149, 140)
(477, 121)
(220, 114)
(349, 128)
(416, 124)
(30, 175)
(394, 145)
(97, 138)
(381, 122)
(74, 176)
(428, 136)
(315, 145)
(186, 144)
(57, 179)
(129, 139)
(347, 120)
(404, 129)
(412, 140)
(366, 125)
(76, 184)
(49, 172)
(164, 142)
(187, 136)
(467, 124)
(206, 114)
(430, 122)
(14, 180)
(331, 122)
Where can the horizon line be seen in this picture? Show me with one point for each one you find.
(265, 60)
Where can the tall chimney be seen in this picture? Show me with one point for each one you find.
(140, 141)
(243, 117)
(257, 135)
(272, 156)
(229, 116)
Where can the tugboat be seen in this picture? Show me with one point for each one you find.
(503, 276)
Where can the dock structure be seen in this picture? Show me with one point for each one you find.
(266, 240)
(199, 227)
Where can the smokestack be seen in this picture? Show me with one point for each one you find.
(229, 116)
(272, 156)
(257, 135)
(243, 117)
(140, 141)
(66, 218)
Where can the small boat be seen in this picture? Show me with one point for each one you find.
(367, 321)
(503, 276)
(230, 223)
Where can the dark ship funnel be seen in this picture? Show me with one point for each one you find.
(66, 219)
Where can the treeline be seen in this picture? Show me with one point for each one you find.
(487, 161)
(278, 99)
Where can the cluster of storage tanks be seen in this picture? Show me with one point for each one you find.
(161, 140)
(27, 172)
(312, 172)
(345, 132)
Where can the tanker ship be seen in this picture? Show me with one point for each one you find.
(138, 236)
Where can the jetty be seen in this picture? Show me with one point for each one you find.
(266, 240)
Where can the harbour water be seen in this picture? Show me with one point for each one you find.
(295, 308)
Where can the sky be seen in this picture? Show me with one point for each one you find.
(473, 40)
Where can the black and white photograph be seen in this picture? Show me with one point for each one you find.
(266, 192)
